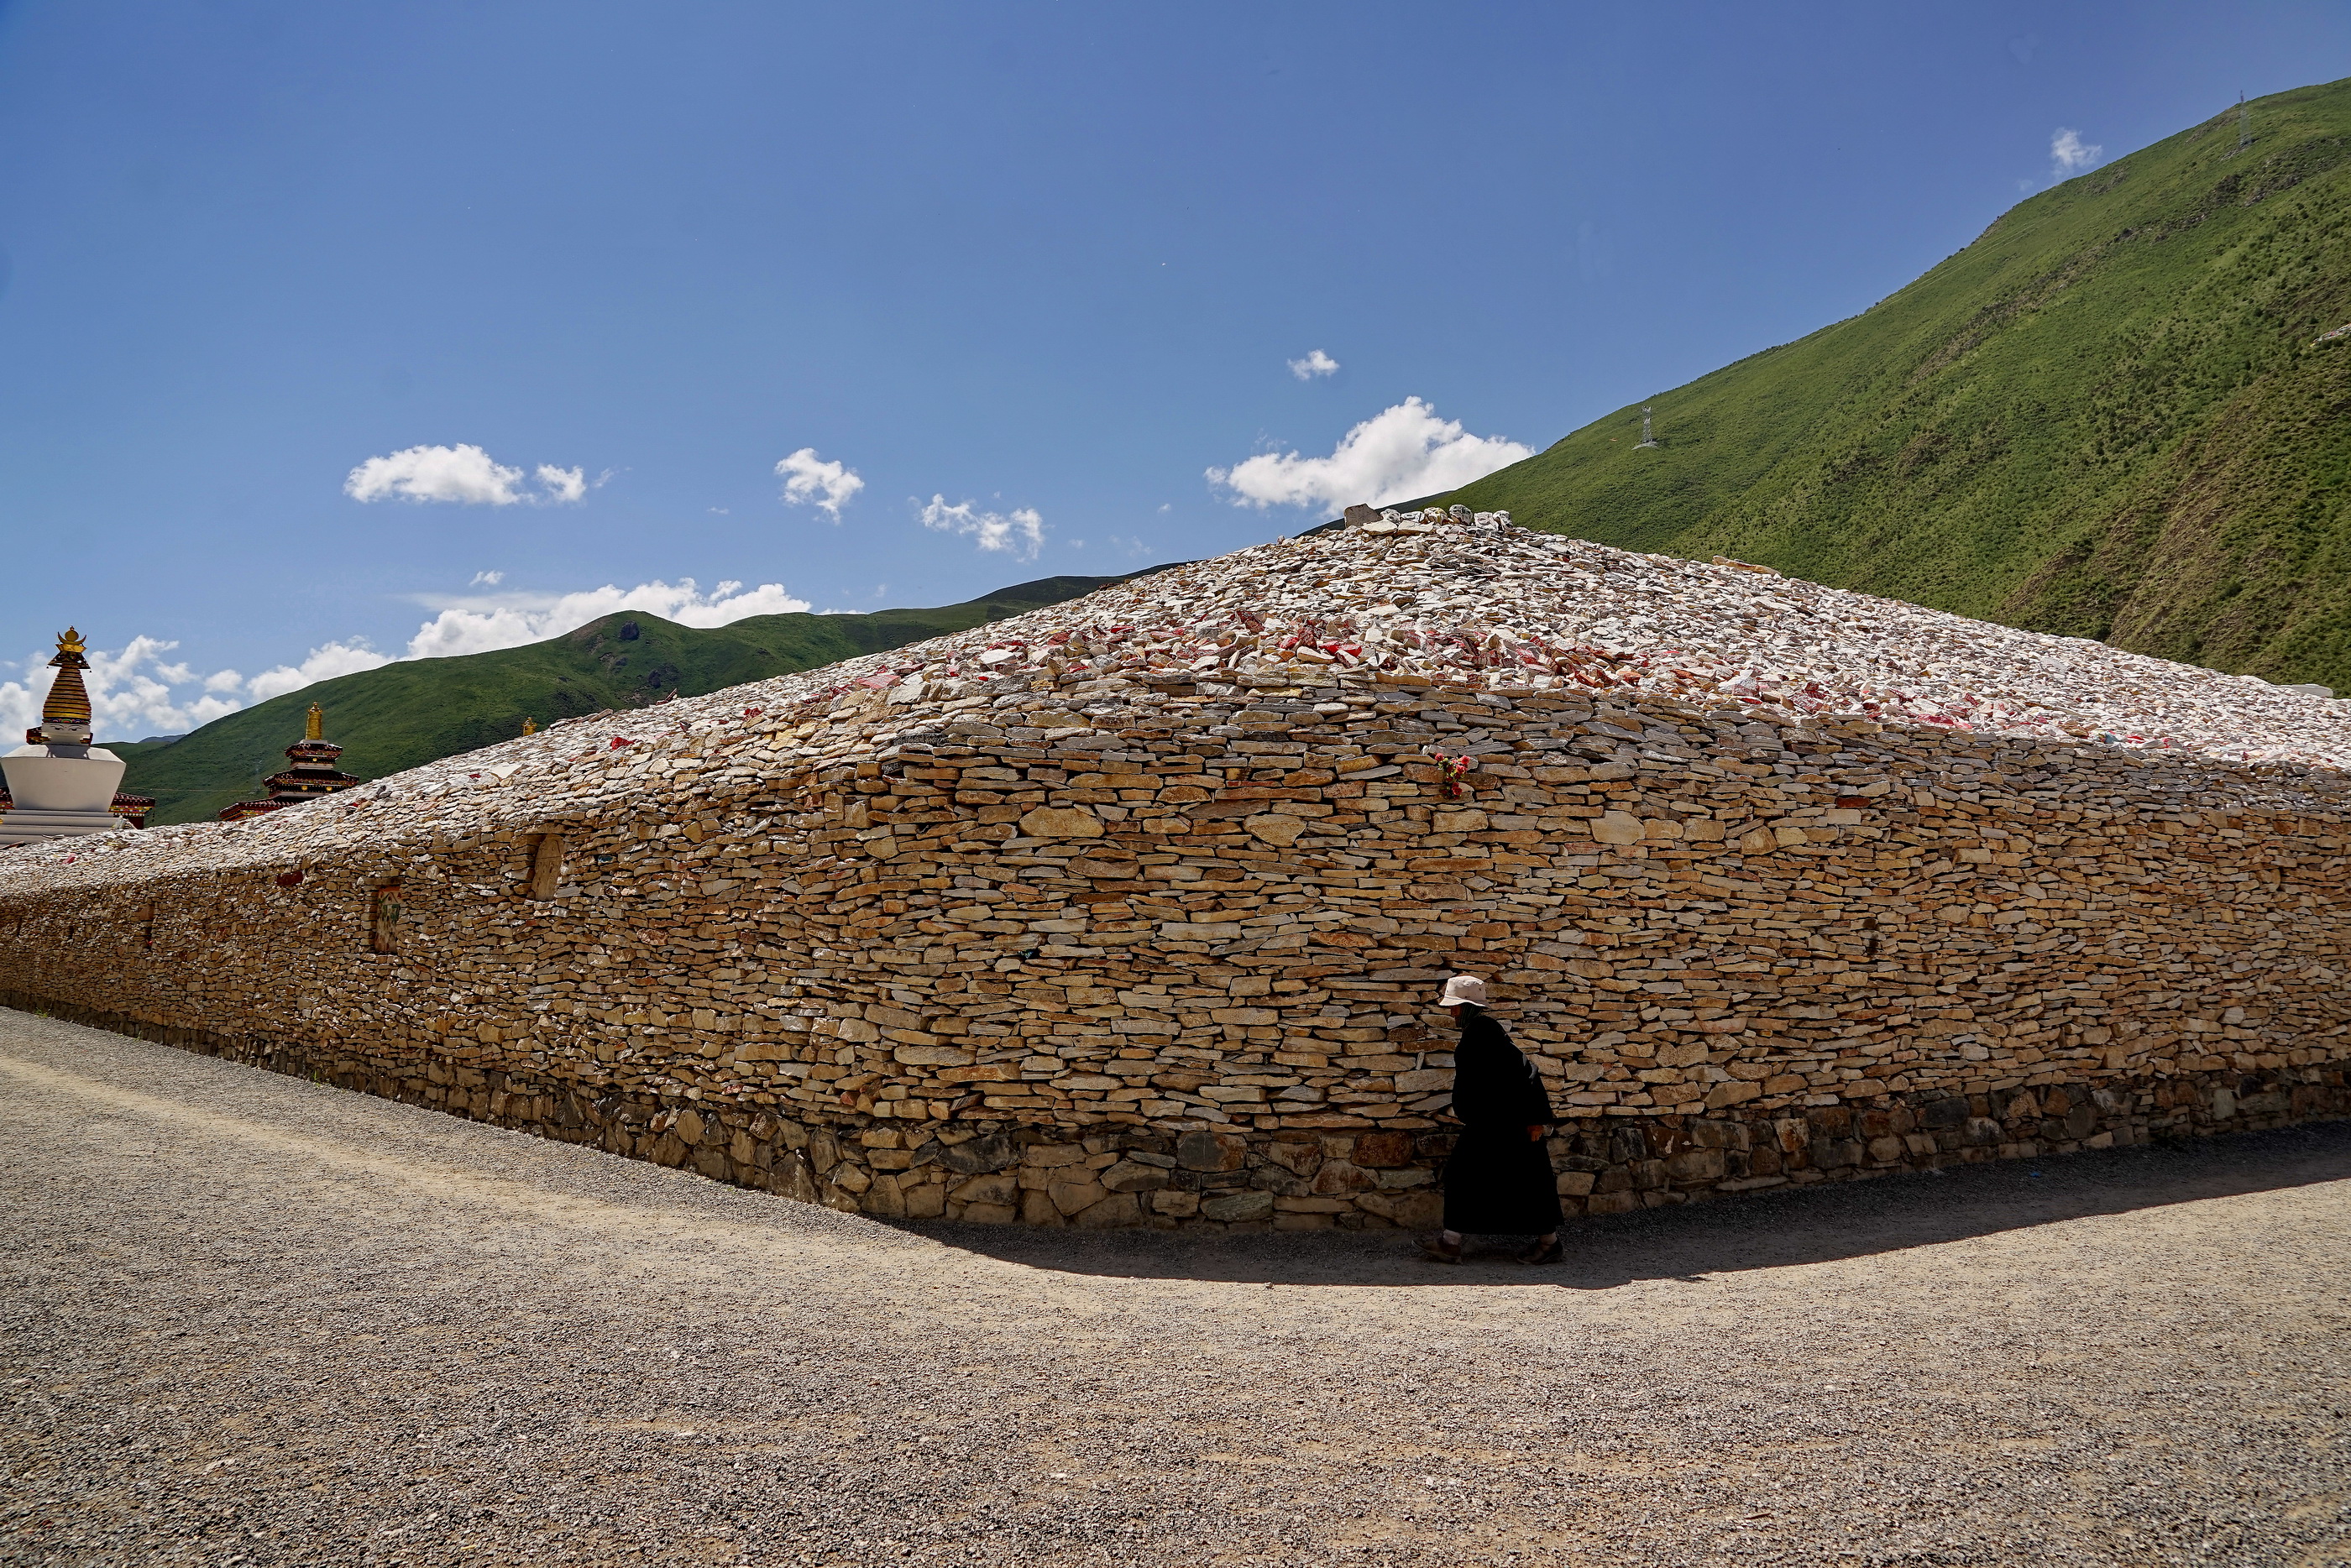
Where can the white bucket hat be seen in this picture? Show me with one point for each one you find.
(1463, 988)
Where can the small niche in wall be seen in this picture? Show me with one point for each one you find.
(546, 864)
(383, 917)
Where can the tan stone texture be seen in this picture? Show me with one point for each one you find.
(1166, 955)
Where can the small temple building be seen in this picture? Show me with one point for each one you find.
(59, 784)
(312, 775)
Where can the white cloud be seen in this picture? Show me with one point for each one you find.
(323, 664)
(222, 680)
(482, 623)
(463, 475)
(1396, 455)
(811, 479)
(2069, 154)
(130, 693)
(1316, 363)
(563, 483)
(486, 580)
(1020, 531)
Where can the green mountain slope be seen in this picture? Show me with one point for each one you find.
(2105, 418)
(404, 715)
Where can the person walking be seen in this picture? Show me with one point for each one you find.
(1498, 1180)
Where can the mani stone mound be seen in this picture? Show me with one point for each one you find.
(1130, 910)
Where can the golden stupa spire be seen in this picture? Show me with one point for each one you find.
(315, 729)
(64, 715)
(530, 726)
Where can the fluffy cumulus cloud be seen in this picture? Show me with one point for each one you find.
(563, 483)
(1316, 363)
(1396, 455)
(809, 480)
(2069, 154)
(1020, 531)
(345, 657)
(464, 475)
(479, 624)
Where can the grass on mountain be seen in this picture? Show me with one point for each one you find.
(404, 715)
(2107, 417)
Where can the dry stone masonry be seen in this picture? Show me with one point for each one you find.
(1129, 911)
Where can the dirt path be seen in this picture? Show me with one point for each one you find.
(248, 1319)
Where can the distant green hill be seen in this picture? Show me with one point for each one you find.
(2104, 418)
(406, 714)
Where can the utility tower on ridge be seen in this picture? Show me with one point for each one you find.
(2244, 124)
(1648, 441)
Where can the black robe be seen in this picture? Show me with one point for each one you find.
(1498, 1181)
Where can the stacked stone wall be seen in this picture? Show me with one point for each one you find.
(1175, 967)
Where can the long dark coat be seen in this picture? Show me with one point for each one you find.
(1498, 1181)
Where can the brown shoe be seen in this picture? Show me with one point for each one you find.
(1439, 1252)
(1542, 1253)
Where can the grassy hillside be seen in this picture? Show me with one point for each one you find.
(2104, 418)
(405, 715)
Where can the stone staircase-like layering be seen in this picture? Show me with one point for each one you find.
(1132, 910)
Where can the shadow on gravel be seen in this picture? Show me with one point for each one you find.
(1763, 1231)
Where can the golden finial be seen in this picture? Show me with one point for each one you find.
(530, 726)
(316, 730)
(69, 642)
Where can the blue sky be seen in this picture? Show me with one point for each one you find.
(316, 317)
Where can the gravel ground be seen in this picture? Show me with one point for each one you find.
(247, 1319)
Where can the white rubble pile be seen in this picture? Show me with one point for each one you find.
(1477, 601)
(1455, 601)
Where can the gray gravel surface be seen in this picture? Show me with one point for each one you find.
(247, 1319)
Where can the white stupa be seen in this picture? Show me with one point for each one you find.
(59, 784)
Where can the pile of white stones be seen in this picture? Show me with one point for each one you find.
(1474, 600)
(1451, 601)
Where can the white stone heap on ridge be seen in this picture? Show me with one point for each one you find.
(1460, 602)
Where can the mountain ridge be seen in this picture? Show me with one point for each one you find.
(404, 714)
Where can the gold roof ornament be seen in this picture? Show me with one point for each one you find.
(530, 726)
(69, 642)
(315, 728)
